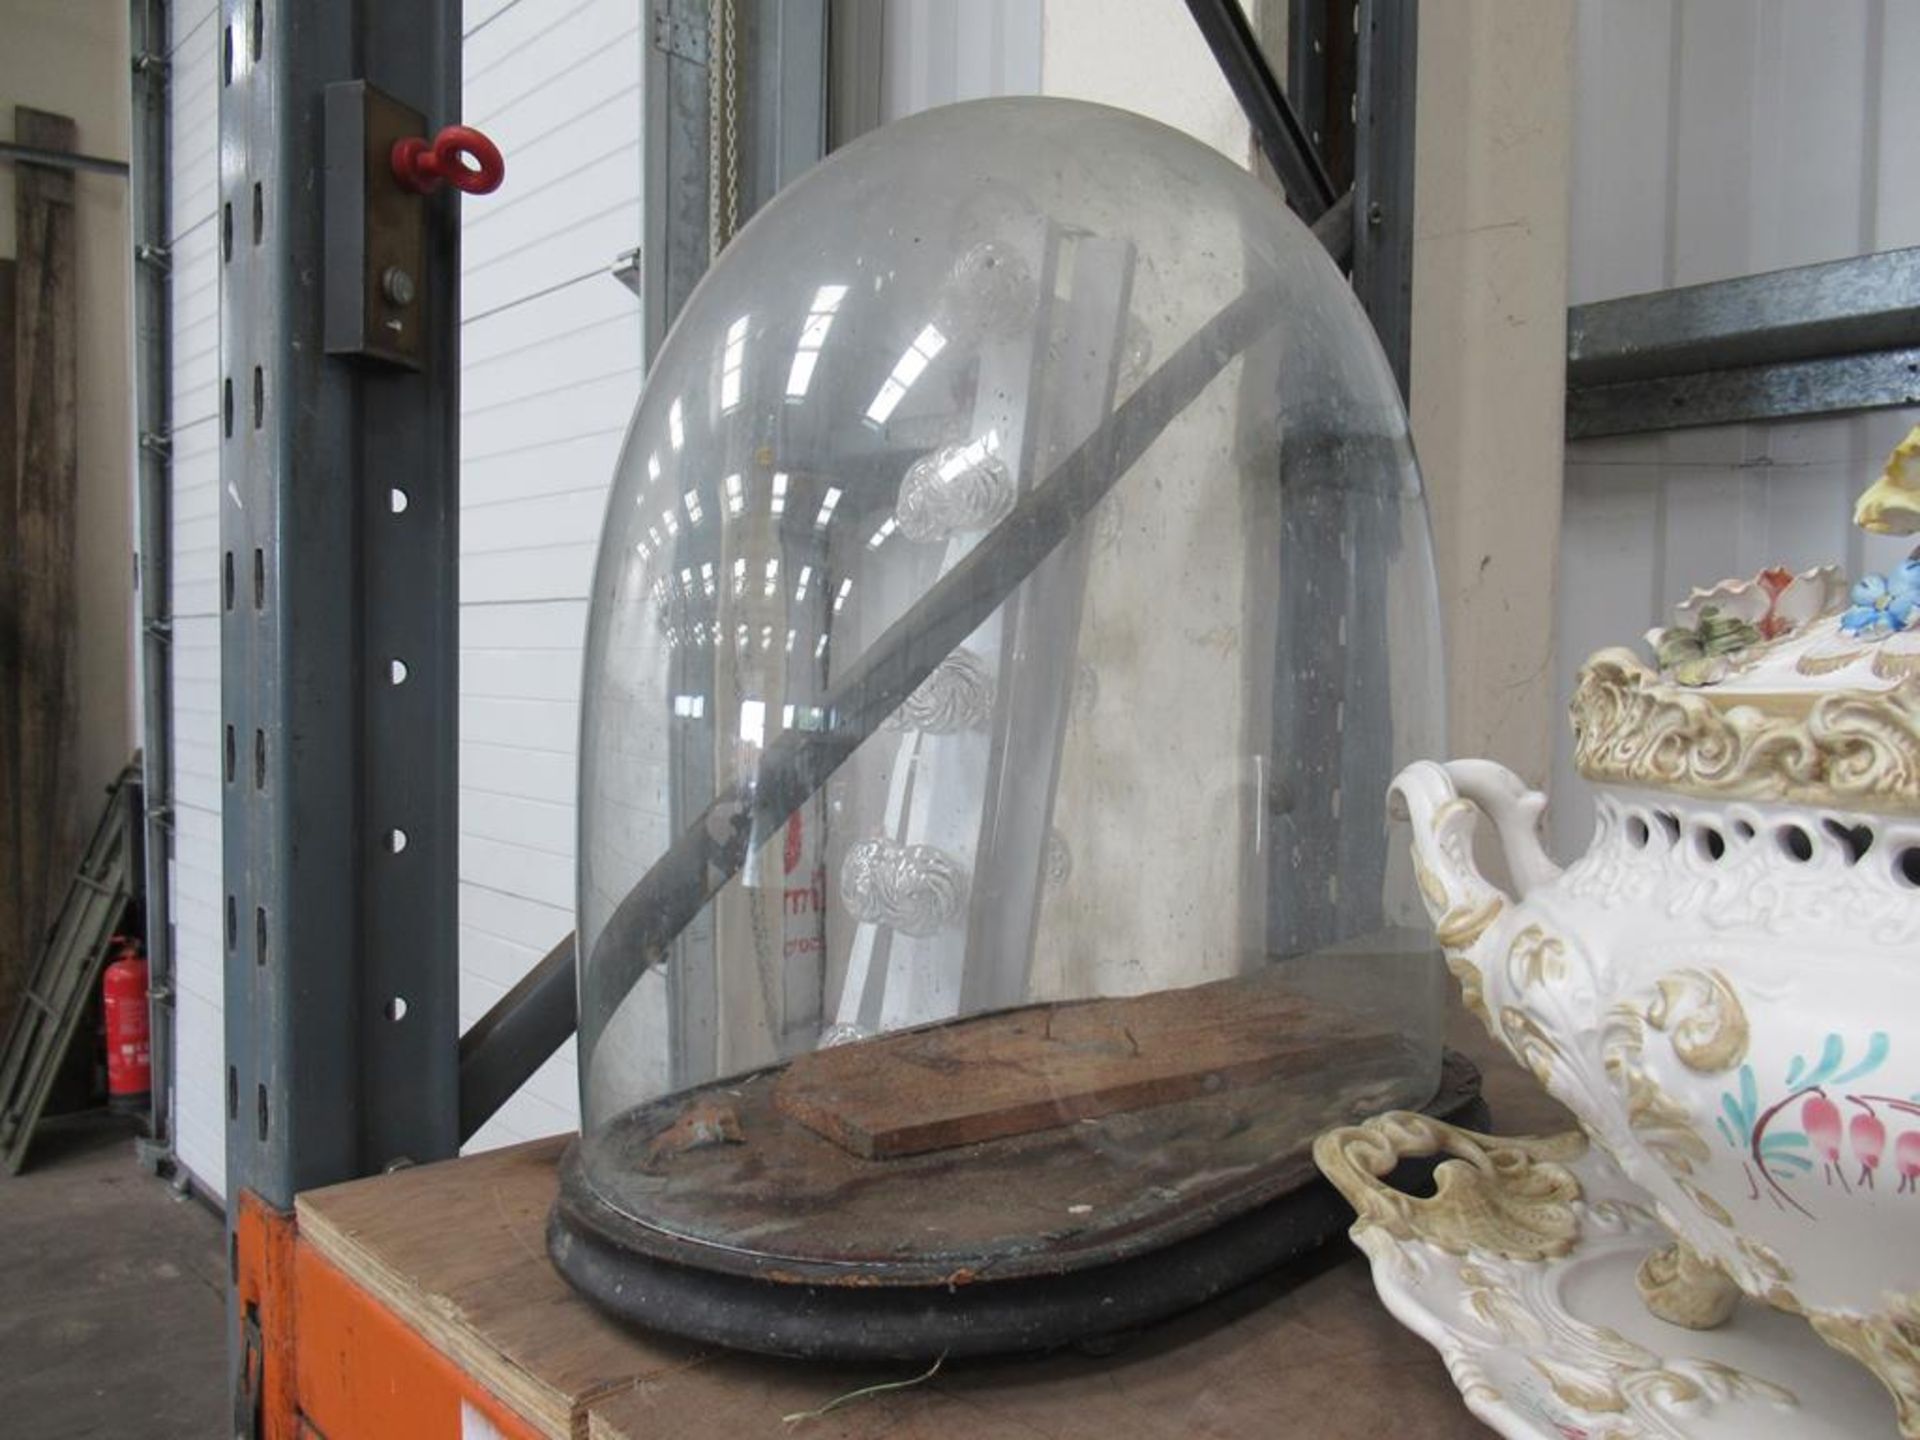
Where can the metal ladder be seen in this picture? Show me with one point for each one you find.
(69, 968)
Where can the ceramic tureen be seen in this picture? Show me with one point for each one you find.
(1725, 989)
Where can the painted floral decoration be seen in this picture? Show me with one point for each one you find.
(1697, 655)
(1883, 604)
(1713, 627)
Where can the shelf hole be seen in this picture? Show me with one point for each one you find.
(259, 27)
(226, 406)
(1797, 844)
(397, 671)
(233, 1248)
(259, 212)
(259, 759)
(231, 757)
(259, 934)
(1907, 865)
(398, 500)
(1670, 823)
(227, 579)
(1712, 843)
(233, 924)
(259, 396)
(1742, 830)
(1856, 840)
(1637, 834)
(226, 231)
(260, 1105)
(396, 840)
(259, 578)
(395, 1009)
(233, 1103)
(226, 60)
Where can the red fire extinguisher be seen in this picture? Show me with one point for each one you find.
(123, 993)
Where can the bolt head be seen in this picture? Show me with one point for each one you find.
(397, 285)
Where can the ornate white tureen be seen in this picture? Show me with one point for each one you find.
(1725, 988)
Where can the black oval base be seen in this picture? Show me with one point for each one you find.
(772, 1316)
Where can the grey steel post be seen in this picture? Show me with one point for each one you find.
(1384, 89)
(153, 429)
(339, 547)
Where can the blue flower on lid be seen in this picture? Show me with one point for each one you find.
(1883, 604)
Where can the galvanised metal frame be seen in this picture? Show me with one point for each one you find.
(1276, 127)
(339, 547)
(151, 211)
(1814, 340)
(1386, 73)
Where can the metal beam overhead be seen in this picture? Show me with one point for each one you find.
(1276, 128)
(1816, 339)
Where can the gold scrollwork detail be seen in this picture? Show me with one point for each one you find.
(1702, 1018)
(1853, 748)
(1685, 1288)
(1510, 1196)
(1536, 958)
(1461, 927)
(1888, 1344)
(1530, 1044)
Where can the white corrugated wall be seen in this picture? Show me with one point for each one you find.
(200, 1127)
(940, 52)
(550, 369)
(1717, 138)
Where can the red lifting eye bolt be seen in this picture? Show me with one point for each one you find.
(424, 168)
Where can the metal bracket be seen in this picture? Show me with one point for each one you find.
(375, 229)
(157, 258)
(627, 269)
(680, 31)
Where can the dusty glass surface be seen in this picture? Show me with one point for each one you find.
(1017, 587)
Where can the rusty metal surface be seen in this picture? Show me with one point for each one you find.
(718, 1179)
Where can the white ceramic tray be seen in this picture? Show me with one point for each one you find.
(1559, 1346)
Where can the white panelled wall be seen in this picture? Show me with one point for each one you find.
(550, 370)
(199, 1119)
(1717, 138)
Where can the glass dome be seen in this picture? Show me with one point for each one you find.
(1016, 588)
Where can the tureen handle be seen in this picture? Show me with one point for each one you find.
(1444, 802)
(1516, 811)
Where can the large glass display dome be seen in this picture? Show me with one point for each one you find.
(1016, 589)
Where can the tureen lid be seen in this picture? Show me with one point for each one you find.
(1790, 687)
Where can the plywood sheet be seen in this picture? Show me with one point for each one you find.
(457, 1252)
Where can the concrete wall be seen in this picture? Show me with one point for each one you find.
(70, 56)
(1489, 355)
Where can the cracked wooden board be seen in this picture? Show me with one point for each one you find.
(1040, 1067)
